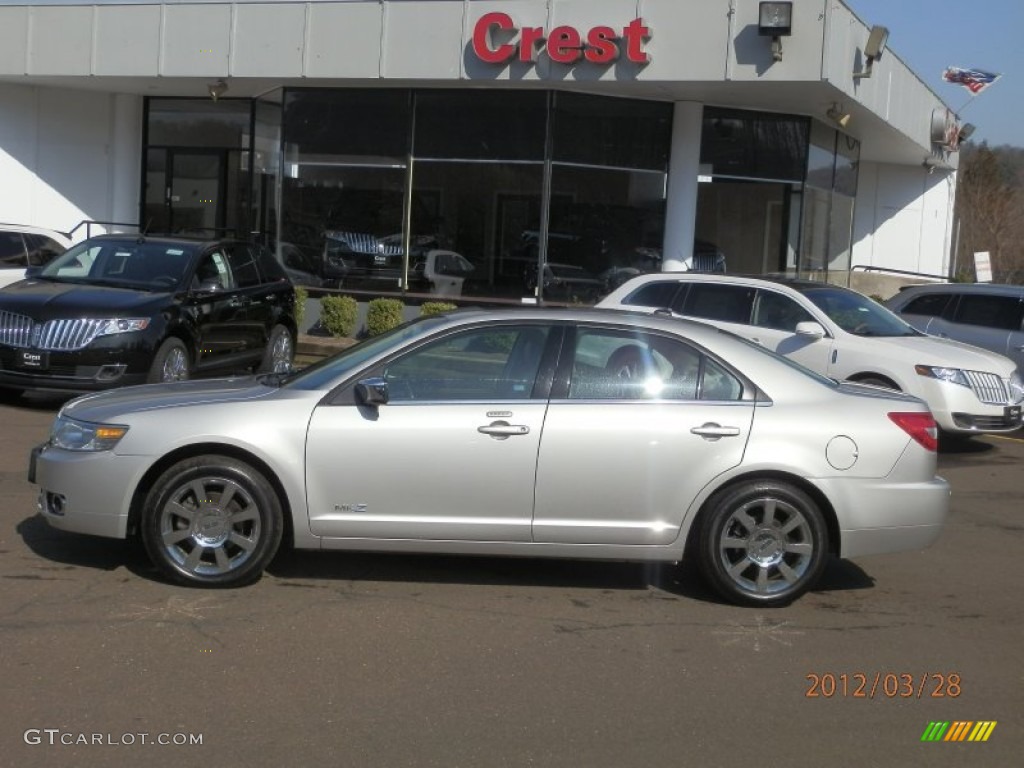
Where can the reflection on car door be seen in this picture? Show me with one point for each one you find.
(641, 412)
(452, 455)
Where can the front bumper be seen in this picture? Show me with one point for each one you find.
(104, 364)
(958, 410)
(85, 492)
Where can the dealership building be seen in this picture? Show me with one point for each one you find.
(600, 136)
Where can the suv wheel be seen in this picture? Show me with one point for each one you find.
(280, 351)
(171, 362)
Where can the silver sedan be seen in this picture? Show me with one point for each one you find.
(533, 432)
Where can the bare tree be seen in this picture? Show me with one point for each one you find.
(990, 207)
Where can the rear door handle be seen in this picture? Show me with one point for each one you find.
(712, 431)
(502, 430)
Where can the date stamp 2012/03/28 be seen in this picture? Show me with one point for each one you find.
(879, 685)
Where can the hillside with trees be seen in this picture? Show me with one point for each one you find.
(990, 211)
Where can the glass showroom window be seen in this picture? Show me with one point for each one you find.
(477, 182)
(605, 225)
(343, 183)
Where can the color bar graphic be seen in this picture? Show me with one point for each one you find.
(959, 730)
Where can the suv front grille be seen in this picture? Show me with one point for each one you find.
(988, 387)
(55, 335)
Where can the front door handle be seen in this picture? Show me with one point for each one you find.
(712, 431)
(502, 430)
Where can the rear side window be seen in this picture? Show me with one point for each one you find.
(928, 305)
(243, 266)
(1002, 312)
(42, 249)
(659, 294)
(271, 267)
(12, 250)
(727, 303)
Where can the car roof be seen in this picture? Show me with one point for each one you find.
(797, 284)
(637, 319)
(993, 289)
(184, 240)
(32, 229)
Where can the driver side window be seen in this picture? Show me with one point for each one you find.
(492, 363)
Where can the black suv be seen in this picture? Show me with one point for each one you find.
(130, 309)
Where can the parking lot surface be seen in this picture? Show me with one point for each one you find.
(370, 660)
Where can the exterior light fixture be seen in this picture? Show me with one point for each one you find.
(217, 89)
(873, 49)
(966, 130)
(837, 116)
(775, 20)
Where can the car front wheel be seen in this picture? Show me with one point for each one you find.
(170, 363)
(212, 521)
(763, 543)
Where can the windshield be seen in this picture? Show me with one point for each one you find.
(332, 370)
(857, 314)
(123, 264)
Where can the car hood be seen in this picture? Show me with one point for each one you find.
(931, 350)
(45, 299)
(117, 403)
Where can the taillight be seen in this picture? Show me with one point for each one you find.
(920, 426)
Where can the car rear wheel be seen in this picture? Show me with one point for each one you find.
(762, 543)
(171, 362)
(212, 521)
(280, 351)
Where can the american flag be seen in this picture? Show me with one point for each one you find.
(975, 80)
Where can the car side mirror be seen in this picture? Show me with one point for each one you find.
(210, 285)
(811, 329)
(372, 392)
(33, 271)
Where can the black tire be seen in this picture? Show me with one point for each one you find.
(225, 539)
(9, 394)
(280, 351)
(171, 363)
(774, 528)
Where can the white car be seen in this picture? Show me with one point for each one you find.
(846, 336)
(23, 246)
(550, 433)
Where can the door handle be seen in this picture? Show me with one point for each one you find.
(712, 431)
(502, 430)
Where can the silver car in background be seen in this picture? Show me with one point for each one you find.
(983, 314)
(534, 432)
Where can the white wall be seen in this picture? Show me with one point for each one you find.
(903, 219)
(67, 156)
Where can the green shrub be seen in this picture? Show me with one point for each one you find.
(338, 315)
(436, 308)
(383, 315)
(301, 294)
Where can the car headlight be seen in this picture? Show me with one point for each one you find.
(74, 435)
(952, 375)
(1016, 387)
(113, 325)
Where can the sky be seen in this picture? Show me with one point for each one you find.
(930, 35)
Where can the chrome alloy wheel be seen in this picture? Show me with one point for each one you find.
(209, 526)
(766, 546)
(175, 367)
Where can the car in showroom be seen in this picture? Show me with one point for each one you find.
(983, 314)
(844, 335)
(23, 246)
(116, 310)
(568, 433)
